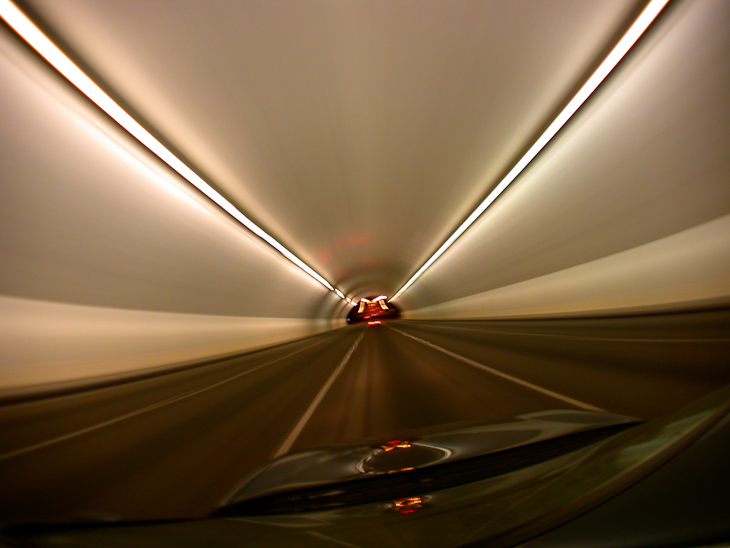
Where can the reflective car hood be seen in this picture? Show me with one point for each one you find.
(334, 465)
(505, 509)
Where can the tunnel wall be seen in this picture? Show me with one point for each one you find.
(111, 263)
(626, 210)
(44, 342)
(686, 270)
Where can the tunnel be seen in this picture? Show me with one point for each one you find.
(239, 232)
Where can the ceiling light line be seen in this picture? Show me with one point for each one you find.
(640, 25)
(29, 32)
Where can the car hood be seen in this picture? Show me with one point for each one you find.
(416, 454)
(541, 471)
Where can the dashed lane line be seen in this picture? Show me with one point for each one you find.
(143, 410)
(294, 434)
(571, 401)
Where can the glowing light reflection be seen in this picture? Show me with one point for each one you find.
(645, 19)
(25, 28)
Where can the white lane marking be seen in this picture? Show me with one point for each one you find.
(294, 434)
(53, 441)
(497, 331)
(478, 365)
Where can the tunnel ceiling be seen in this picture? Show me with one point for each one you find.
(361, 134)
(358, 133)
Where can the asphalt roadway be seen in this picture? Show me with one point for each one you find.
(174, 445)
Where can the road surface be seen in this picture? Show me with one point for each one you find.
(174, 445)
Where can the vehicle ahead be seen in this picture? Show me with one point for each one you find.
(545, 479)
(373, 309)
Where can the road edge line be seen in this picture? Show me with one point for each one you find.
(294, 434)
(527, 384)
(143, 410)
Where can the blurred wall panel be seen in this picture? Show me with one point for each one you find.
(646, 160)
(108, 261)
(687, 269)
(44, 342)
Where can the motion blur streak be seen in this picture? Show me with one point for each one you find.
(570, 401)
(214, 425)
(294, 434)
(147, 409)
(30, 33)
(653, 9)
(154, 352)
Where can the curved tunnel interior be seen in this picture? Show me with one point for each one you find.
(302, 225)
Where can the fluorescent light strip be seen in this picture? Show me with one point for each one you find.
(638, 28)
(51, 53)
